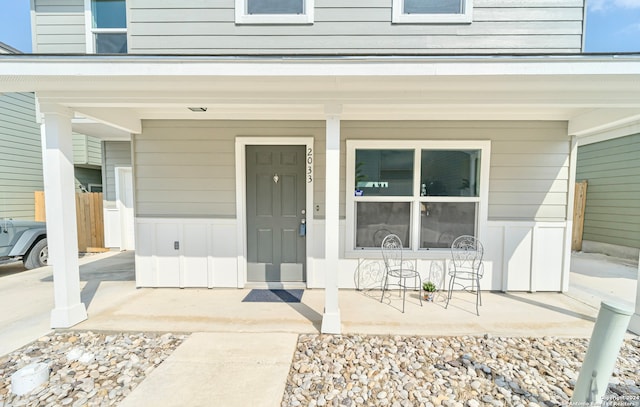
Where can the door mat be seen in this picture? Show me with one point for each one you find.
(258, 295)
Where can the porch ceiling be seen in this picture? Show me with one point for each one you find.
(591, 93)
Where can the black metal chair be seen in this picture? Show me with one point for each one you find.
(466, 267)
(396, 269)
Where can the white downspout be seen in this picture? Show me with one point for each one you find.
(634, 325)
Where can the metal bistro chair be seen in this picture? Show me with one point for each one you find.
(466, 267)
(392, 255)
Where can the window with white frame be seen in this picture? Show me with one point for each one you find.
(107, 26)
(274, 11)
(432, 11)
(427, 192)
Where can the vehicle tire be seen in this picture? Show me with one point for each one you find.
(37, 256)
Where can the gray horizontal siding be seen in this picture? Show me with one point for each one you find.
(187, 168)
(355, 27)
(115, 154)
(87, 150)
(20, 156)
(59, 26)
(79, 142)
(612, 170)
(94, 151)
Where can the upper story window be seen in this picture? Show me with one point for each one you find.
(432, 11)
(274, 11)
(108, 26)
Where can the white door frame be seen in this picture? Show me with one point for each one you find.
(241, 198)
(127, 231)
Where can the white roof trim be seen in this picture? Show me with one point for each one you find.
(621, 131)
(38, 65)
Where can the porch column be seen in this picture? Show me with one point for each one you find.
(60, 206)
(331, 316)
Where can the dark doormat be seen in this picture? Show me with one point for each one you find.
(257, 295)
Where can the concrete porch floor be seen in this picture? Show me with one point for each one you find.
(119, 306)
(235, 343)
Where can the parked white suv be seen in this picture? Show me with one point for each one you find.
(23, 240)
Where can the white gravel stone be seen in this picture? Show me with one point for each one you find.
(453, 371)
(86, 367)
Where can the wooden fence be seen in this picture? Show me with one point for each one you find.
(89, 217)
(579, 204)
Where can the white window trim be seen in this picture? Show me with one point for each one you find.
(90, 31)
(483, 199)
(243, 18)
(398, 15)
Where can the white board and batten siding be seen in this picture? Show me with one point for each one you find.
(355, 27)
(58, 26)
(185, 193)
(20, 155)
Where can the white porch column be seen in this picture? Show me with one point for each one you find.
(634, 324)
(331, 316)
(60, 206)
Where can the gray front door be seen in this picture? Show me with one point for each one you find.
(275, 210)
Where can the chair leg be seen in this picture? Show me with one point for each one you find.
(403, 281)
(417, 277)
(478, 296)
(384, 286)
(452, 279)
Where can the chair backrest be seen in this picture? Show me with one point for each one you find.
(467, 253)
(392, 252)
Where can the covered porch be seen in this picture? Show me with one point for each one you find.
(591, 94)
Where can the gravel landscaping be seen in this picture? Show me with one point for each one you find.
(448, 371)
(87, 368)
(101, 369)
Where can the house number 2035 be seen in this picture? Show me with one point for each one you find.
(309, 165)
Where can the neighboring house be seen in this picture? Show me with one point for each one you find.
(87, 160)
(251, 123)
(610, 166)
(21, 155)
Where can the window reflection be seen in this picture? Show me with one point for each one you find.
(384, 172)
(109, 13)
(433, 6)
(442, 222)
(111, 43)
(449, 173)
(275, 7)
(375, 220)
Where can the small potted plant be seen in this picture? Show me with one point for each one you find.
(429, 289)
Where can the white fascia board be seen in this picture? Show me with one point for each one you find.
(113, 67)
(598, 121)
(617, 132)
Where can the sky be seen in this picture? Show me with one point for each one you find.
(612, 25)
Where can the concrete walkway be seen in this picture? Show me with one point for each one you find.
(241, 352)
